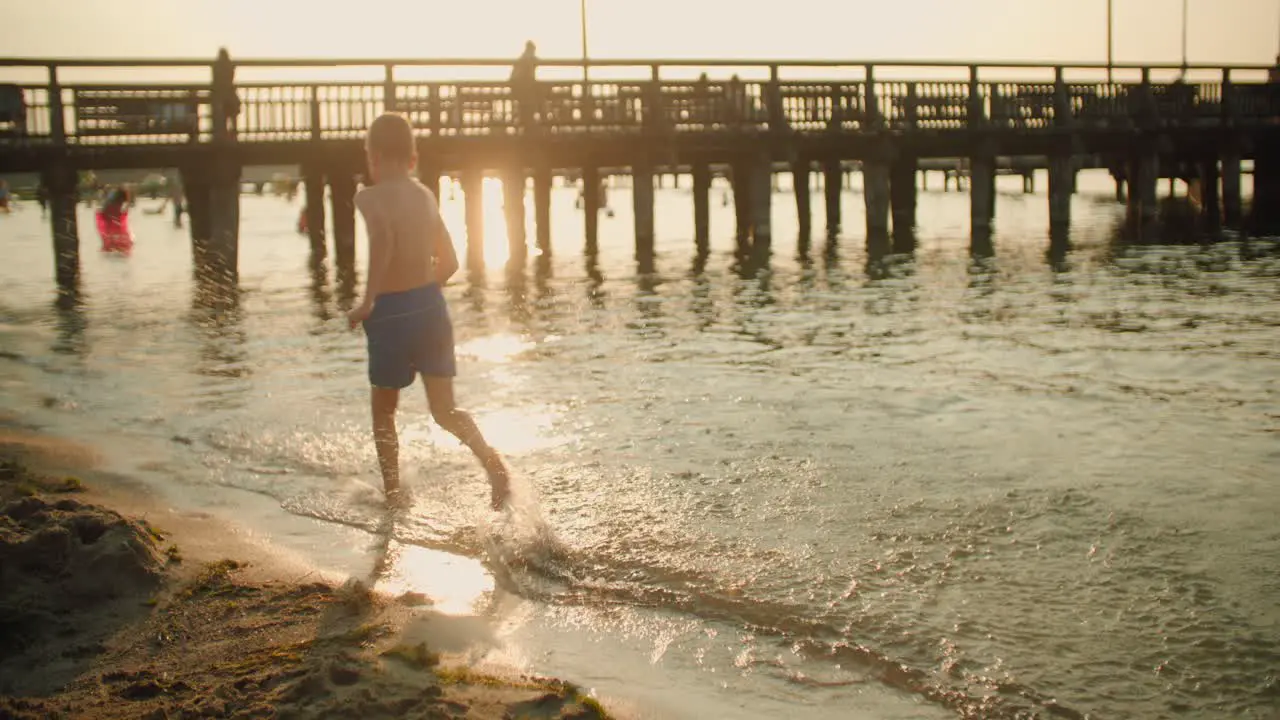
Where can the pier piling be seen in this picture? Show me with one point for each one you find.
(741, 181)
(224, 218)
(831, 178)
(473, 199)
(762, 204)
(1211, 195)
(1061, 173)
(542, 207)
(875, 194)
(902, 201)
(591, 208)
(800, 172)
(642, 202)
(1231, 198)
(342, 194)
(982, 195)
(1265, 208)
(429, 176)
(514, 189)
(1144, 175)
(313, 180)
(63, 186)
(702, 207)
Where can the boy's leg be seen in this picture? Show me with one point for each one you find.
(385, 439)
(462, 426)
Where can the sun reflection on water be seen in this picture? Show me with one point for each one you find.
(499, 348)
(455, 584)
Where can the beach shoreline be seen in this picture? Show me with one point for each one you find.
(119, 606)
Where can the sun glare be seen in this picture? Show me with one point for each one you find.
(498, 348)
(454, 583)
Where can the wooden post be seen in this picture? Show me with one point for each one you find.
(1266, 186)
(224, 216)
(875, 195)
(976, 117)
(473, 197)
(591, 208)
(1210, 198)
(1231, 203)
(542, 207)
(1061, 172)
(389, 88)
(342, 194)
(901, 179)
(429, 175)
(1062, 116)
(1144, 174)
(831, 176)
(800, 172)
(642, 202)
(872, 109)
(982, 195)
(762, 203)
(741, 182)
(702, 207)
(514, 187)
(313, 180)
(195, 183)
(62, 182)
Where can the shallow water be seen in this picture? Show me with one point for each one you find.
(921, 486)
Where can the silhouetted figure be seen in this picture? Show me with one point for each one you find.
(524, 85)
(42, 197)
(5, 196)
(736, 95)
(224, 76)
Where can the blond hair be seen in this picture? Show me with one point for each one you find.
(391, 137)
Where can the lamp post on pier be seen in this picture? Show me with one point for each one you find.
(1110, 59)
(585, 62)
(1184, 36)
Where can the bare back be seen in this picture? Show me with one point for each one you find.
(404, 214)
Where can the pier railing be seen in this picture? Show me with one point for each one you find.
(119, 113)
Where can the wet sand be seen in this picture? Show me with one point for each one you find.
(114, 607)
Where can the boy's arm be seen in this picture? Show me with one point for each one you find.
(379, 257)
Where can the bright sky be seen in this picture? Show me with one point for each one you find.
(1238, 31)
(1220, 31)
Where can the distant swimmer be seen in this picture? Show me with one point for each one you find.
(113, 223)
(405, 318)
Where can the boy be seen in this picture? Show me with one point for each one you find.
(404, 314)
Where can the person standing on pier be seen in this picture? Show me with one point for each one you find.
(224, 79)
(405, 318)
(524, 85)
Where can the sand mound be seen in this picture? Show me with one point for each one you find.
(96, 622)
(60, 557)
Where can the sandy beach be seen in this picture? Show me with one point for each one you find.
(115, 607)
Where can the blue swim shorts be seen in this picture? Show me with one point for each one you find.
(409, 333)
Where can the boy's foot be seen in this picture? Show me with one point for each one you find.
(398, 498)
(499, 483)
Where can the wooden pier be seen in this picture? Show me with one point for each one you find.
(893, 119)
